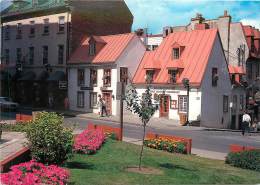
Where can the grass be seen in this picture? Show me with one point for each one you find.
(107, 167)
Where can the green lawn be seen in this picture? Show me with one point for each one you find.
(107, 167)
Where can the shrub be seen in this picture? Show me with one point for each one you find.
(14, 127)
(49, 141)
(89, 141)
(34, 173)
(245, 159)
(169, 145)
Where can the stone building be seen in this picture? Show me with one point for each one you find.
(38, 37)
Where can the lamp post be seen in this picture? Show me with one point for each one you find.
(186, 84)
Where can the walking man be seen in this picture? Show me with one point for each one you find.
(246, 122)
(102, 104)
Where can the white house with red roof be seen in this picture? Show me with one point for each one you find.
(198, 56)
(97, 65)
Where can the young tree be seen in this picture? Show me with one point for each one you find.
(143, 107)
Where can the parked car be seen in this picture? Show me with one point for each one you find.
(7, 104)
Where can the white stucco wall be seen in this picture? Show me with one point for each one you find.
(194, 101)
(212, 97)
(130, 58)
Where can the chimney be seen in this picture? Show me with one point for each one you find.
(225, 13)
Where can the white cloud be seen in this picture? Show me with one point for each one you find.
(252, 22)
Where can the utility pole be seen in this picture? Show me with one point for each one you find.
(120, 96)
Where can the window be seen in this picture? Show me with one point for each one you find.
(233, 78)
(234, 106)
(60, 54)
(81, 77)
(249, 70)
(154, 47)
(176, 53)
(19, 31)
(123, 75)
(7, 56)
(45, 55)
(80, 99)
(183, 104)
(252, 44)
(18, 55)
(46, 26)
(172, 76)
(107, 77)
(225, 103)
(92, 49)
(241, 102)
(93, 99)
(214, 77)
(149, 76)
(257, 70)
(7, 32)
(93, 77)
(31, 55)
(61, 24)
(32, 29)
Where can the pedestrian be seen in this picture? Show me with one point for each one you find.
(50, 101)
(66, 103)
(246, 119)
(102, 105)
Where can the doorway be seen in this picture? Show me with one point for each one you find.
(164, 105)
(107, 95)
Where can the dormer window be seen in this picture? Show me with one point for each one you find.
(176, 53)
(92, 49)
(149, 76)
(172, 76)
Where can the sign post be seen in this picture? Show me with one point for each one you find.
(120, 96)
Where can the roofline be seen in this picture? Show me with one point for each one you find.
(167, 85)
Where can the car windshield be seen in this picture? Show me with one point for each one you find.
(3, 99)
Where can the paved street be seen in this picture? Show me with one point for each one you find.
(202, 139)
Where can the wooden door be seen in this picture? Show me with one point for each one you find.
(164, 105)
(108, 99)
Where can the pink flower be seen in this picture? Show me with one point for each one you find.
(89, 141)
(34, 173)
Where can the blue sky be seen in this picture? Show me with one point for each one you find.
(155, 14)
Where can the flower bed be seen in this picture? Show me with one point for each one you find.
(106, 129)
(89, 141)
(167, 144)
(34, 173)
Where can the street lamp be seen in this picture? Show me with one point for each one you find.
(186, 84)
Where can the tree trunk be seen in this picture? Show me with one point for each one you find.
(142, 148)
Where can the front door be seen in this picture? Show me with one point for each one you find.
(164, 105)
(108, 99)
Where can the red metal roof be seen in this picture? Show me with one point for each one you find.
(236, 69)
(248, 31)
(113, 46)
(193, 59)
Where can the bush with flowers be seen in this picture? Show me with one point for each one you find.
(34, 173)
(170, 145)
(89, 141)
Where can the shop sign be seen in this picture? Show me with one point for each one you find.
(62, 84)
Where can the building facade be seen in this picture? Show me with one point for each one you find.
(198, 56)
(97, 65)
(39, 36)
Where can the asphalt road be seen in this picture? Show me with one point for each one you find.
(217, 141)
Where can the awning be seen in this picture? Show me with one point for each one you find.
(27, 76)
(42, 76)
(57, 76)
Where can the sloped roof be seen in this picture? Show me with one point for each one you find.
(236, 69)
(113, 47)
(194, 58)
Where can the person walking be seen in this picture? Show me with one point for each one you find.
(102, 104)
(246, 119)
